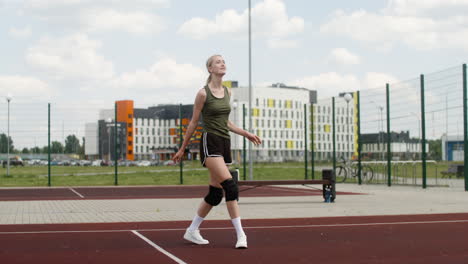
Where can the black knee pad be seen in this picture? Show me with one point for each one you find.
(231, 190)
(214, 196)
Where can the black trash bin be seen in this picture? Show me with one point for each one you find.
(329, 189)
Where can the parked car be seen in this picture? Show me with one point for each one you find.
(14, 161)
(169, 163)
(144, 163)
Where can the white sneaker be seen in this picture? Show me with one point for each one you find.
(241, 242)
(195, 237)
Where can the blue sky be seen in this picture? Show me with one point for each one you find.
(153, 51)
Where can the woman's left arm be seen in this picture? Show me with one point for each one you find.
(252, 137)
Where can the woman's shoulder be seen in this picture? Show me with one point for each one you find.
(201, 94)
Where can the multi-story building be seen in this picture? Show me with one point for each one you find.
(279, 115)
(402, 146)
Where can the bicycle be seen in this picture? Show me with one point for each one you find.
(348, 169)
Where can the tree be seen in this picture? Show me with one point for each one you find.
(435, 149)
(36, 150)
(56, 147)
(25, 151)
(4, 144)
(72, 144)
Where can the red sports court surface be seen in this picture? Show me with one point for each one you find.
(400, 239)
(157, 192)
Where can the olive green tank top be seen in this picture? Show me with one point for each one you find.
(215, 113)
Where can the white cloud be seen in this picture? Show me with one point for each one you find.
(329, 84)
(378, 79)
(383, 31)
(136, 17)
(165, 81)
(20, 32)
(344, 56)
(113, 20)
(23, 86)
(70, 57)
(418, 7)
(269, 19)
(50, 4)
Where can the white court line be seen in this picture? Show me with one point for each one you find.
(77, 193)
(160, 249)
(245, 227)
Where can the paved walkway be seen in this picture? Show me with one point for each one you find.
(378, 200)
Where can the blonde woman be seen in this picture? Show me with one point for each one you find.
(212, 102)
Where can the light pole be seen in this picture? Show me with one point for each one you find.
(250, 95)
(347, 98)
(380, 124)
(8, 98)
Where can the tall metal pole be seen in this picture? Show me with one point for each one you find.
(465, 127)
(8, 138)
(250, 96)
(423, 130)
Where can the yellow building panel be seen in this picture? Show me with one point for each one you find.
(288, 124)
(271, 103)
(327, 128)
(228, 84)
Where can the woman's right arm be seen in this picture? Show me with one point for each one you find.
(197, 108)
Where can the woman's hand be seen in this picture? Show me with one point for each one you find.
(254, 138)
(178, 156)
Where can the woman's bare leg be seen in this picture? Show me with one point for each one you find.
(219, 173)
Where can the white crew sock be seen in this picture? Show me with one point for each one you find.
(236, 222)
(196, 222)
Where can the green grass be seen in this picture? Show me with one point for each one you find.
(193, 174)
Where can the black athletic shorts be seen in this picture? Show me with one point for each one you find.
(212, 145)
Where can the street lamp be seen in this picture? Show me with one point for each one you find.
(8, 98)
(380, 124)
(347, 98)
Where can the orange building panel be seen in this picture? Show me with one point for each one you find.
(125, 114)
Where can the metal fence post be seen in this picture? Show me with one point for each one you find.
(48, 147)
(181, 140)
(305, 142)
(334, 140)
(244, 152)
(312, 139)
(389, 138)
(465, 127)
(116, 177)
(423, 130)
(359, 137)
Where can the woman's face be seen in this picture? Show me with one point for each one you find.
(218, 66)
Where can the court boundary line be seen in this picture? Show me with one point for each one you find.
(160, 249)
(229, 228)
(77, 193)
